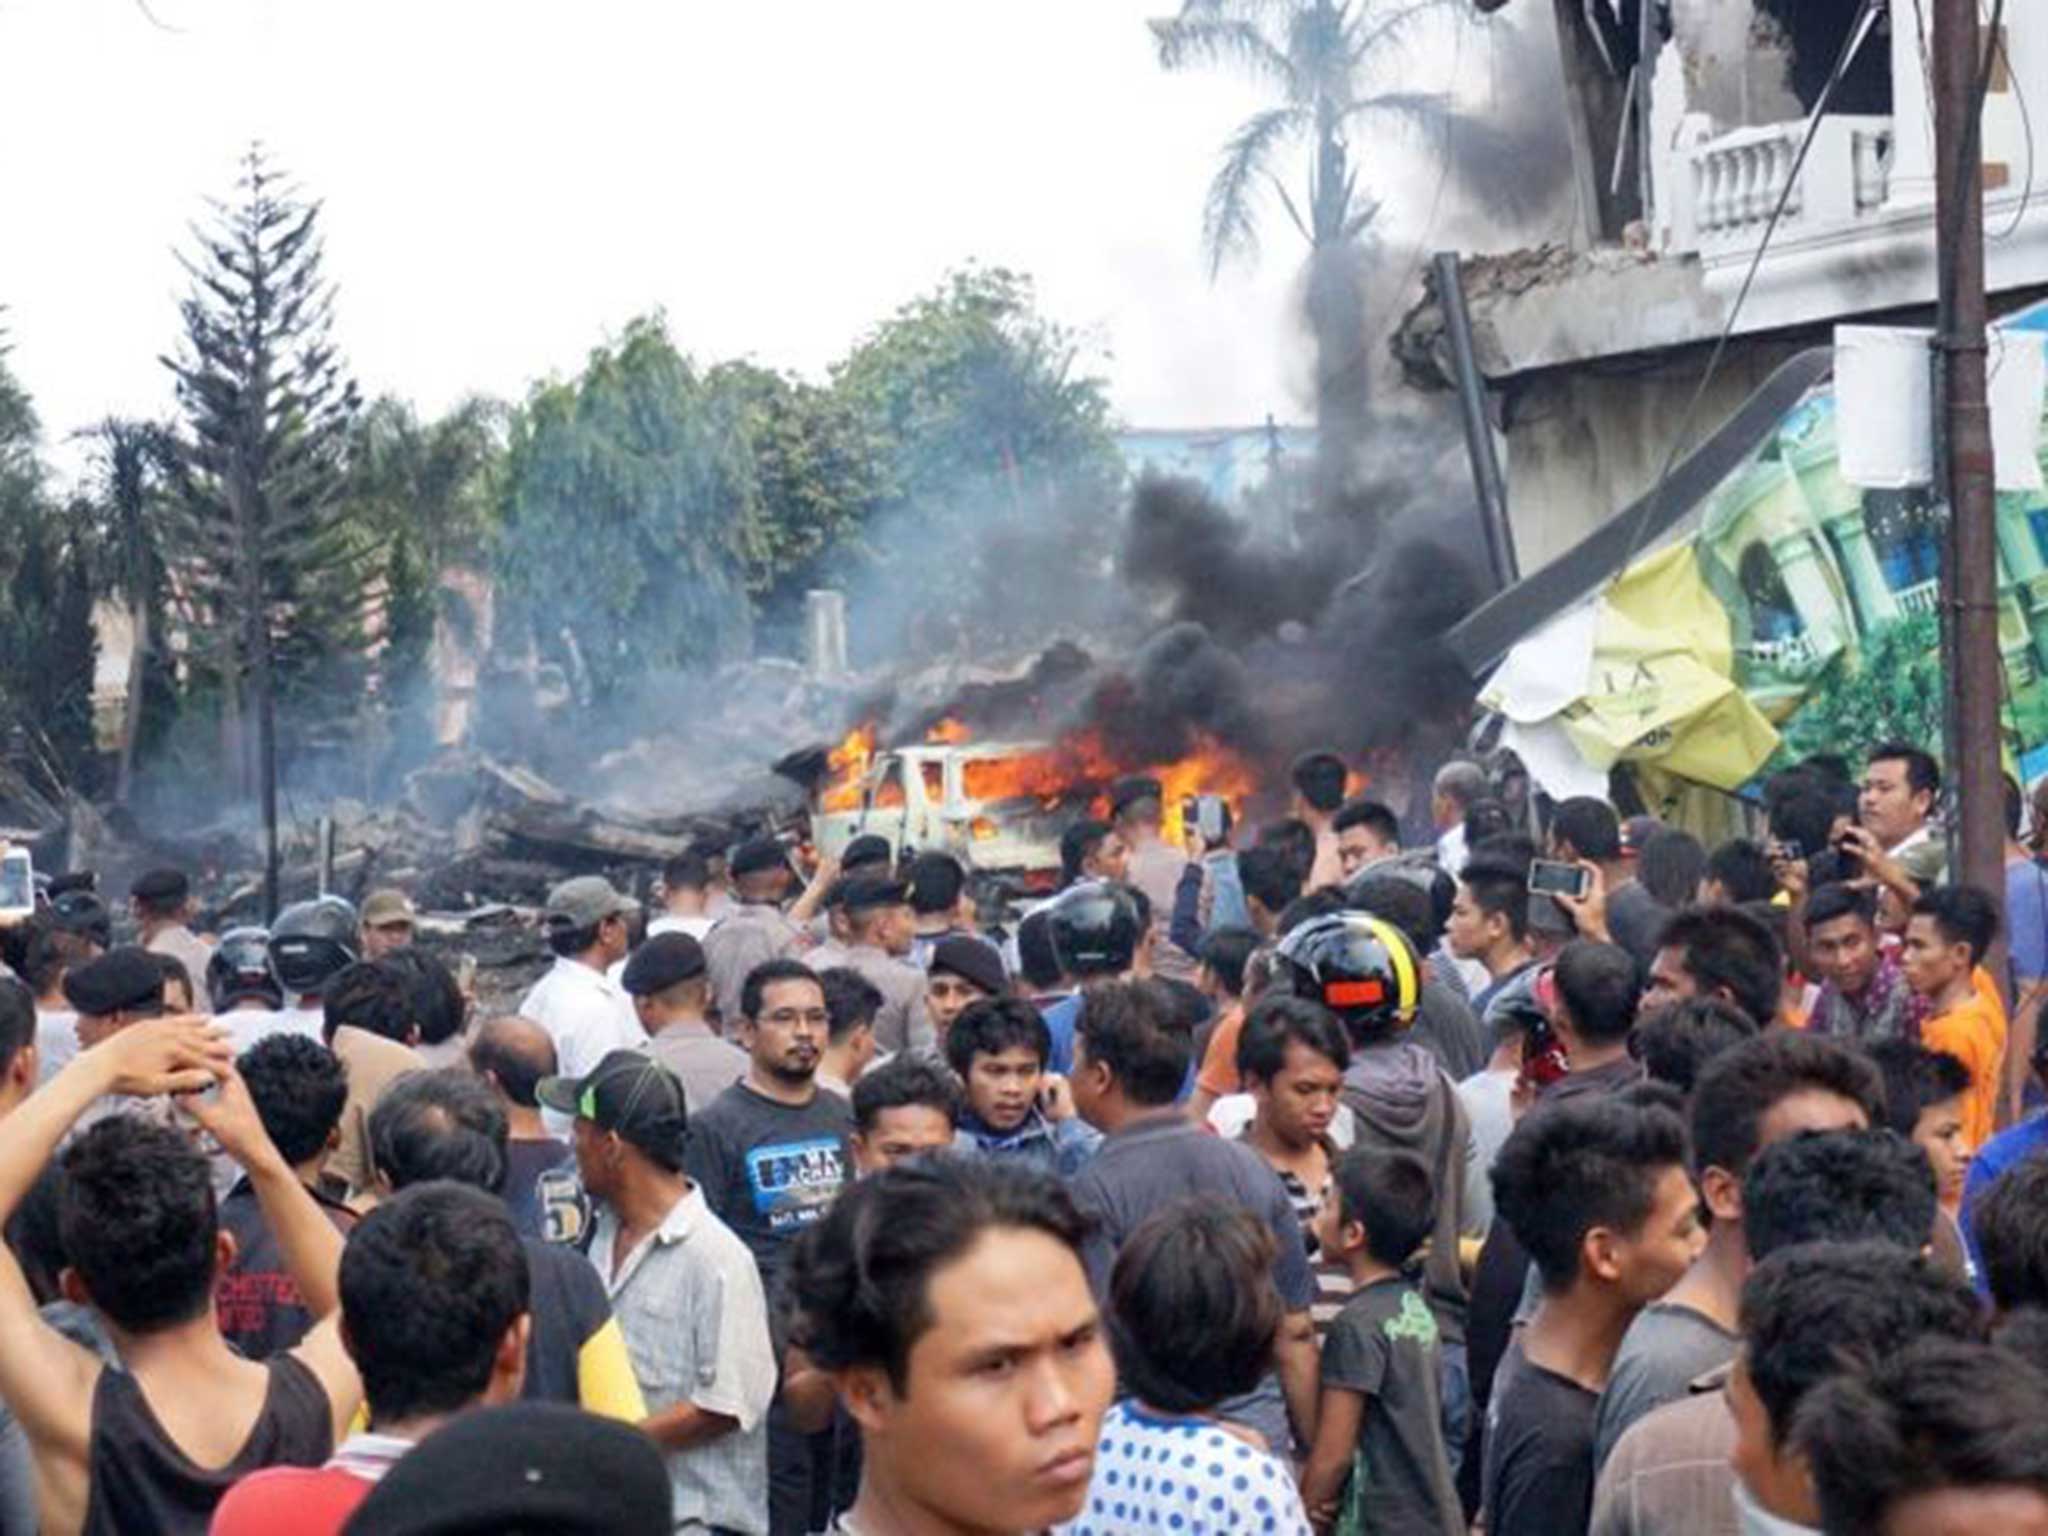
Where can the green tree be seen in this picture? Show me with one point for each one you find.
(631, 516)
(994, 438)
(131, 460)
(1892, 692)
(262, 543)
(423, 498)
(1327, 64)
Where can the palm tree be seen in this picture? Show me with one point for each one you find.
(1324, 60)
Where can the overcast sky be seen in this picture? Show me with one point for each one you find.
(508, 182)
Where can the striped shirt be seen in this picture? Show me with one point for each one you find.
(1333, 1281)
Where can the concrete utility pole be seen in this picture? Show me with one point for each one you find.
(1962, 435)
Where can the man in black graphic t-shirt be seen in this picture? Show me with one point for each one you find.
(770, 1153)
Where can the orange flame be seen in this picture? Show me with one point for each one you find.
(1077, 770)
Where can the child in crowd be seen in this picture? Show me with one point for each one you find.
(1193, 1315)
(1379, 1454)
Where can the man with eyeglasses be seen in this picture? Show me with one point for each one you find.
(770, 1154)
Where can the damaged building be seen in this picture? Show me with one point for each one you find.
(1685, 120)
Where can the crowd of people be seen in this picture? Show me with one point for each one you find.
(1481, 1164)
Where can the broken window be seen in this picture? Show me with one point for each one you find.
(1812, 33)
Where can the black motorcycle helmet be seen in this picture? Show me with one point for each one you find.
(240, 969)
(311, 941)
(1360, 967)
(1095, 928)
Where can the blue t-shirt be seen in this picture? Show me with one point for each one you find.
(2013, 1145)
(2026, 919)
(1063, 1019)
(1158, 1476)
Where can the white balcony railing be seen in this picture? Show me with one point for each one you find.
(1924, 598)
(1738, 178)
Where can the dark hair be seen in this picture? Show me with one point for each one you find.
(1269, 876)
(1318, 777)
(1500, 888)
(936, 881)
(17, 1020)
(687, 871)
(901, 1081)
(2010, 1223)
(1838, 1186)
(43, 958)
(1295, 839)
(1962, 914)
(1676, 1042)
(1743, 871)
(568, 943)
(1487, 818)
(851, 1000)
(1938, 1414)
(433, 995)
(764, 976)
(1036, 958)
(1745, 1083)
(1815, 1310)
(34, 1233)
(173, 969)
(1278, 1019)
(1720, 947)
(371, 995)
(2015, 805)
(517, 1069)
(1575, 1164)
(1376, 818)
(1590, 826)
(299, 1088)
(439, 1125)
(1400, 901)
(859, 1280)
(990, 1025)
(1135, 1030)
(1078, 844)
(1598, 985)
(137, 1220)
(1193, 1312)
(1392, 1196)
(1317, 903)
(1836, 900)
(1805, 817)
(1922, 771)
(1915, 1080)
(431, 1280)
(1225, 951)
(1670, 865)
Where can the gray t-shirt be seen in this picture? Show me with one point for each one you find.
(1665, 1349)
(1384, 1346)
(1635, 921)
(769, 1169)
(1164, 1158)
(1447, 1026)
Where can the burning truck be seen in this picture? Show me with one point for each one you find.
(998, 806)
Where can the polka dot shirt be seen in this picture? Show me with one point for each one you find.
(1157, 1476)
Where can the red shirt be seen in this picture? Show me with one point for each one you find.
(308, 1501)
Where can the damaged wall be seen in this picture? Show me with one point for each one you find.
(1582, 442)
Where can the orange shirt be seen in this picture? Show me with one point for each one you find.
(1974, 1033)
(1219, 1074)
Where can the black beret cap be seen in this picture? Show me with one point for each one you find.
(161, 885)
(662, 962)
(972, 960)
(120, 981)
(755, 855)
(863, 893)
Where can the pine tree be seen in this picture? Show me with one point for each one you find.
(262, 544)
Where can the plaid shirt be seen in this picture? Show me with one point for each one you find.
(689, 1301)
(1887, 1010)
